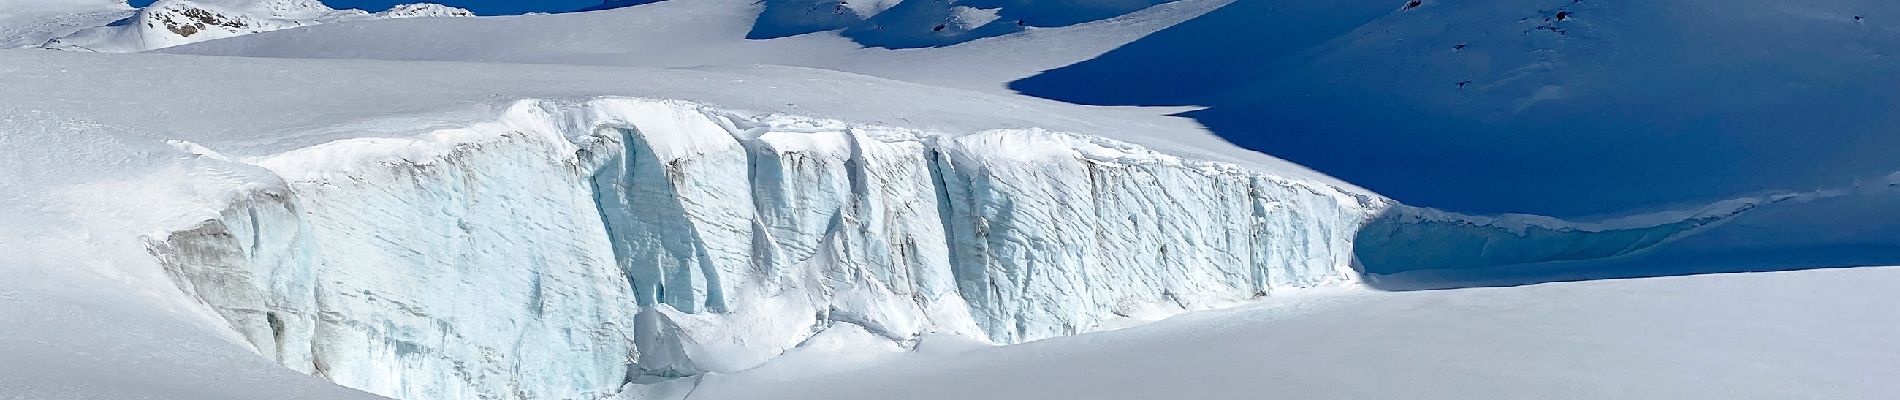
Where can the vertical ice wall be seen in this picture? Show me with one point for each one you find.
(570, 248)
(464, 264)
(253, 267)
(1056, 231)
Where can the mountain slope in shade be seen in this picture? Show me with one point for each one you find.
(1552, 107)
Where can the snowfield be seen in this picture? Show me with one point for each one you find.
(722, 199)
(1823, 334)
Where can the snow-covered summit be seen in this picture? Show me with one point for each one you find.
(419, 10)
(168, 23)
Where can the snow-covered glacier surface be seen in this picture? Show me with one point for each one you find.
(570, 248)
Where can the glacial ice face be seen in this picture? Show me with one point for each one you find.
(252, 267)
(468, 264)
(1053, 238)
(571, 248)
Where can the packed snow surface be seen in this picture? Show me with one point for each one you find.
(1822, 334)
(1566, 108)
(30, 23)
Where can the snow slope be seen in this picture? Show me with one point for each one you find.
(1824, 334)
(1502, 106)
(168, 23)
(89, 314)
(1503, 142)
(704, 32)
(29, 23)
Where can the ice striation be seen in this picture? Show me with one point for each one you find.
(573, 247)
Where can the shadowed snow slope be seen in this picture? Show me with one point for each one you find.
(1551, 107)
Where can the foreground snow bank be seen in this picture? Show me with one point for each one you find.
(1819, 334)
(617, 240)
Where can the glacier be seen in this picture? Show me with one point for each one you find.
(572, 247)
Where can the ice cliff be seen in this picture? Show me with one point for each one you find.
(573, 247)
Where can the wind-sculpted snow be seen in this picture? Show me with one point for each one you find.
(571, 248)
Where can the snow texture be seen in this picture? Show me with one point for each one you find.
(1822, 334)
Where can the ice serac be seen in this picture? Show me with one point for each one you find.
(573, 247)
(252, 267)
(1056, 231)
(464, 264)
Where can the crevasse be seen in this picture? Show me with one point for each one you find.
(571, 248)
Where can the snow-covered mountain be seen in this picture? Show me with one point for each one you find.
(30, 23)
(167, 23)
